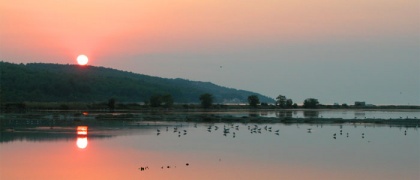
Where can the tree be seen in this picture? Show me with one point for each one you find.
(206, 100)
(264, 104)
(111, 104)
(281, 101)
(167, 100)
(253, 100)
(161, 100)
(310, 103)
(289, 103)
(155, 100)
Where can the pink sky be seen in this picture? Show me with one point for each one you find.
(57, 31)
(141, 36)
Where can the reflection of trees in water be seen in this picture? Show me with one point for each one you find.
(310, 114)
(263, 113)
(359, 114)
(284, 114)
(253, 114)
(37, 136)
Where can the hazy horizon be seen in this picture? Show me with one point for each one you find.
(335, 51)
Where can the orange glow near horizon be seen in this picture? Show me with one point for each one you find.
(63, 29)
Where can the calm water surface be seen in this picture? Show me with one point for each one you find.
(204, 151)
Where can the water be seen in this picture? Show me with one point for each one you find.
(202, 151)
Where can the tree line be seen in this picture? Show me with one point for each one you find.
(207, 99)
(283, 102)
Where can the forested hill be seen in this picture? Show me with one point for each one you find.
(56, 82)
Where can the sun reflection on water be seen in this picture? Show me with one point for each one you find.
(82, 140)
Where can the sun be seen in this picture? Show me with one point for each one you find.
(82, 59)
(82, 142)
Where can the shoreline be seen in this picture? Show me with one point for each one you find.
(199, 116)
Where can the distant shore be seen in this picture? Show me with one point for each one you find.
(102, 106)
(70, 117)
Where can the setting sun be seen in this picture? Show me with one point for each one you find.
(82, 142)
(82, 59)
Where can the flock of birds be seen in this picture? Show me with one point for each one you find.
(175, 130)
(226, 129)
(144, 168)
(231, 128)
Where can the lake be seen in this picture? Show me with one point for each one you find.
(189, 150)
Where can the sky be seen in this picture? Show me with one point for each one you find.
(337, 51)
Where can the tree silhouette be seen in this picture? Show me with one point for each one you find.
(155, 100)
(289, 103)
(206, 100)
(111, 104)
(310, 103)
(281, 101)
(167, 100)
(253, 100)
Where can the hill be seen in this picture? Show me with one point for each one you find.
(72, 83)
